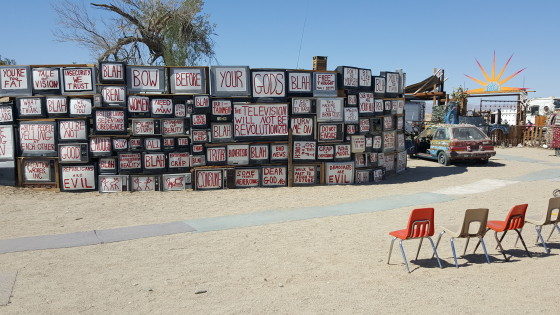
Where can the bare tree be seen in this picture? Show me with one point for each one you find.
(154, 32)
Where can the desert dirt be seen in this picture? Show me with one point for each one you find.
(334, 264)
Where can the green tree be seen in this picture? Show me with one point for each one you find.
(154, 32)
(6, 61)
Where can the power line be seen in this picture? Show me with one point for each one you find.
(302, 32)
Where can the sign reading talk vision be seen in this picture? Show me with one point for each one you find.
(15, 80)
(145, 79)
(46, 81)
(78, 178)
(78, 81)
(229, 81)
(261, 120)
(188, 80)
(269, 85)
(37, 138)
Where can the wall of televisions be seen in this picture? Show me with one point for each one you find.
(115, 127)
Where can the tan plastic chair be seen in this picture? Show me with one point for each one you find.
(552, 217)
(474, 225)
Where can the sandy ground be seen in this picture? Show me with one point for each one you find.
(334, 264)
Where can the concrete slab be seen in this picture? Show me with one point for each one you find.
(48, 242)
(7, 282)
(134, 232)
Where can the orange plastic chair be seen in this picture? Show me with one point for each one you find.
(514, 221)
(420, 225)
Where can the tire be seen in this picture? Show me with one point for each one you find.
(442, 158)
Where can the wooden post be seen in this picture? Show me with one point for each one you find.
(290, 159)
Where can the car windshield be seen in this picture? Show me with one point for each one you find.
(468, 133)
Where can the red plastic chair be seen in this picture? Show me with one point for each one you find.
(514, 221)
(420, 225)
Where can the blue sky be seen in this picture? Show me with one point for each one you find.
(416, 36)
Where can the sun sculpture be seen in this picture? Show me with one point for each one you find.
(494, 82)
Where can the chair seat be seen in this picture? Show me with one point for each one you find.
(535, 220)
(399, 234)
(452, 230)
(498, 226)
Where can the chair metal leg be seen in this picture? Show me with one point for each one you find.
(435, 251)
(523, 242)
(391, 249)
(481, 240)
(466, 246)
(438, 239)
(501, 238)
(404, 257)
(555, 226)
(454, 254)
(500, 244)
(539, 235)
(419, 246)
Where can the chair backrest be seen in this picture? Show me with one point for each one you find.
(553, 212)
(516, 217)
(474, 223)
(420, 223)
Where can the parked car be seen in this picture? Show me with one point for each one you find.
(447, 143)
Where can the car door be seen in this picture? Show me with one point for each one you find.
(440, 141)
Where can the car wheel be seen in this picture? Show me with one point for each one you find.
(442, 158)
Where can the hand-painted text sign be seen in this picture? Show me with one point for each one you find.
(188, 80)
(145, 79)
(230, 81)
(77, 178)
(78, 80)
(260, 120)
(15, 80)
(37, 138)
(339, 173)
(269, 84)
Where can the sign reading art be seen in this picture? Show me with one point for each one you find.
(15, 80)
(260, 120)
(339, 173)
(37, 138)
(230, 81)
(188, 80)
(78, 178)
(78, 81)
